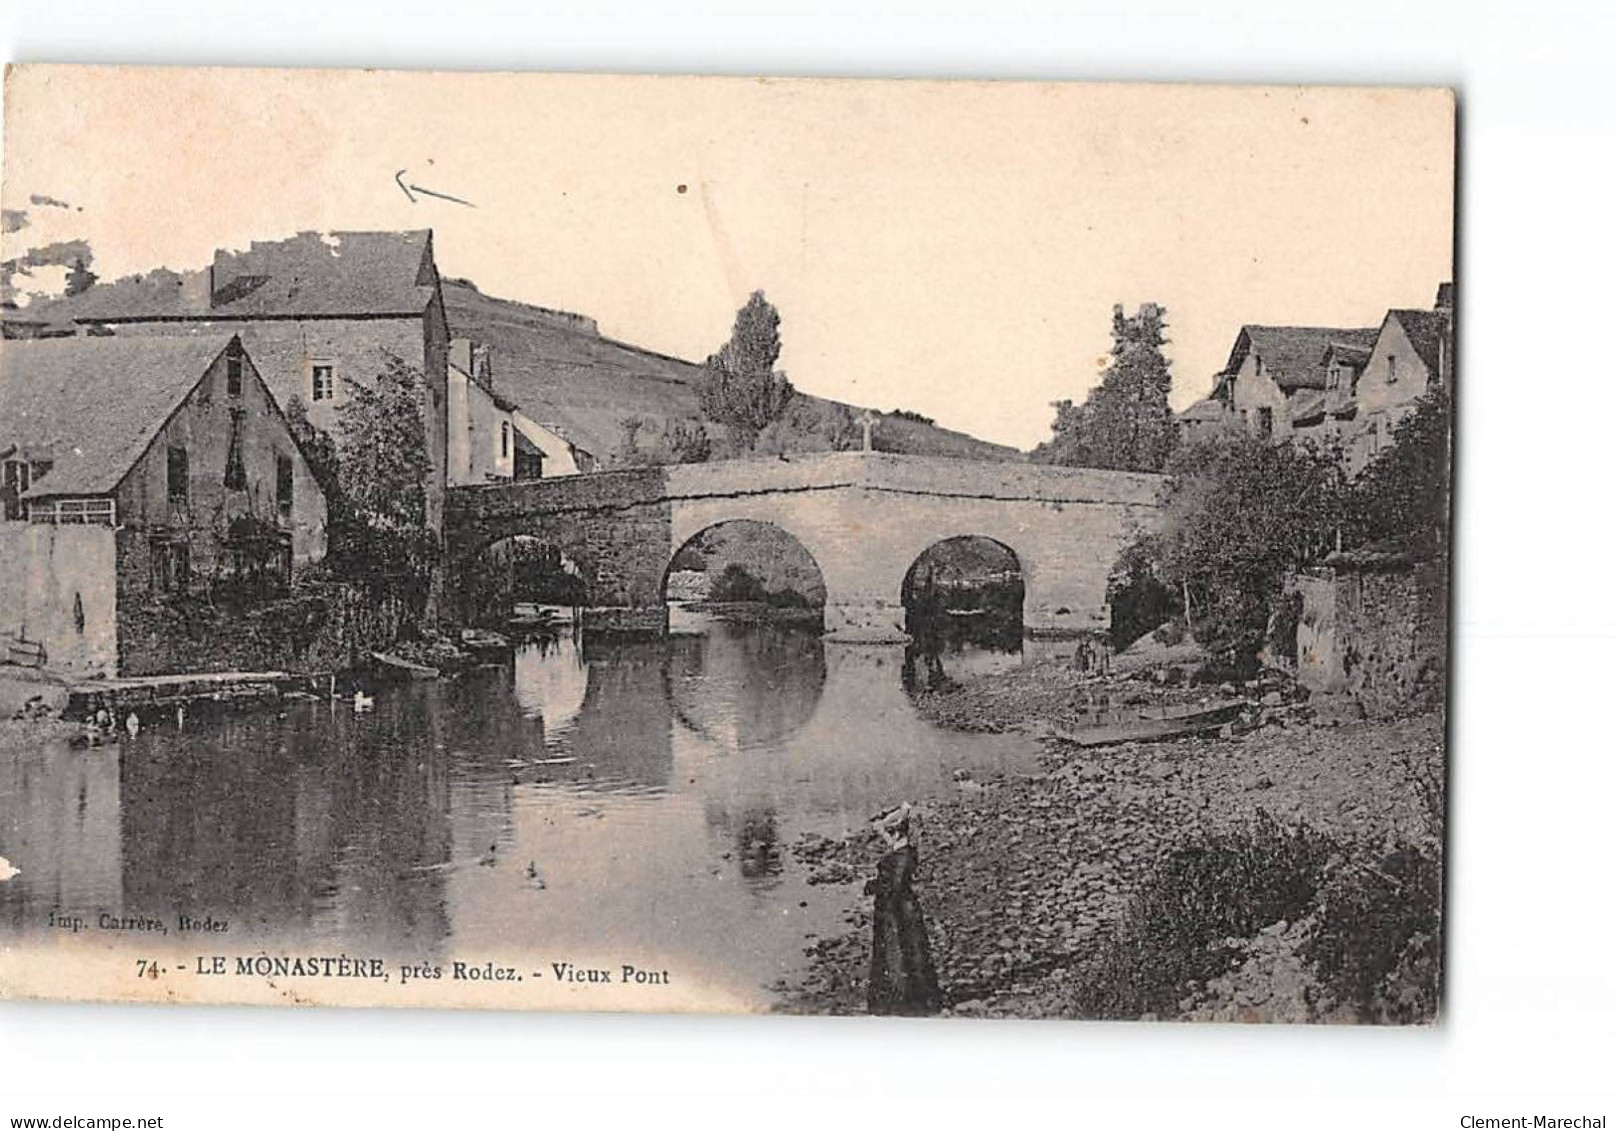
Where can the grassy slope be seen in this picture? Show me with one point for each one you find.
(561, 372)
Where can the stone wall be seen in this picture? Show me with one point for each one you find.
(1376, 629)
(321, 628)
(58, 590)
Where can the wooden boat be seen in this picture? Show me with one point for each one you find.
(1170, 722)
(398, 665)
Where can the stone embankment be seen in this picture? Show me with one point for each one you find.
(1018, 874)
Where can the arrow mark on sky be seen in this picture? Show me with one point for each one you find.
(410, 190)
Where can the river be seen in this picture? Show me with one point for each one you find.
(591, 797)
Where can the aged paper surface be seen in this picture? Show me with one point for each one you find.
(587, 542)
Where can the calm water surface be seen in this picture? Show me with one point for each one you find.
(592, 798)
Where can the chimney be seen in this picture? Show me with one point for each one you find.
(482, 366)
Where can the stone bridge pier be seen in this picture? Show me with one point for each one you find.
(864, 517)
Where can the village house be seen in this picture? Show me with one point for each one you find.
(318, 312)
(1412, 354)
(1347, 387)
(1277, 377)
(491, 440)
(140, 469)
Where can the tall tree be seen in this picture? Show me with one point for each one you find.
(1126, 423)
(740, 387)
(383, 538)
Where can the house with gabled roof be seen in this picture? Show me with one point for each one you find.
(1412, 354)
(1277, 376)
(318, 312)
(139, 470)
(491, 439)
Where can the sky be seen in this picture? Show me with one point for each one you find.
(951, 248)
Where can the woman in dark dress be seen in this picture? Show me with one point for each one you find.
(902, 978)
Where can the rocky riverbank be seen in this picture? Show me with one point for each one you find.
(1036, 887)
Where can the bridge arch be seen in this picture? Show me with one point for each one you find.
(745, 560)
(492, 577)
(964, 574)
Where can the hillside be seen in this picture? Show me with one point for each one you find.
(561, 371)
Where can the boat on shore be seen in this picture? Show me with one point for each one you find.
(393, 664)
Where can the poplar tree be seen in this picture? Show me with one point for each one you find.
(1125, 423)
(740, 387)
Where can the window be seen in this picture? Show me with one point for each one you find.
(14, 482)
(179, 476)
(283, 483)
(171, 566)
(1391, 369)
(232, 370)
(505, 440)
(322, 381)
(1265, 422)
(235, 474)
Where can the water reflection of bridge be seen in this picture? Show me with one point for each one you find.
(639, 777)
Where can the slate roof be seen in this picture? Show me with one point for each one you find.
(1294, 355)
(311, 274)
(1426, 330)
(94, 405)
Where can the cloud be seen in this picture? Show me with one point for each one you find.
(62, 253)
(44, 201)
(14, 219)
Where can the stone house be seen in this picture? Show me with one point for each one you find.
(1412, 354)
(140, 469)
(491, 440)
(317, 312)
(1276, 381)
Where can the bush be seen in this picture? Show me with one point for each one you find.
(1140, 601)
(1239, 515)
(1176, 929)
(1373, 936)
(1377, 943)
(737, 585)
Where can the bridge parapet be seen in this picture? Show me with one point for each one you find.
(879, 471)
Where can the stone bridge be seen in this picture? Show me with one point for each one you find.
(865, 517)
